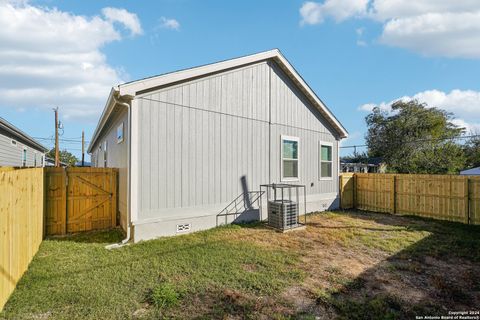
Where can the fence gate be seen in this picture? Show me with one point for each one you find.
(80, 199)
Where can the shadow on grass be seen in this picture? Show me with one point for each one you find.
(98, 236)
(436, 274)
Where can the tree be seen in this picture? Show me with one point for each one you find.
(356, 157)
(414, 138)
(65, 157)
(472, 151)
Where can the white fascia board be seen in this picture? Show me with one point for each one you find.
(330, 117)
(107, 110)
(145, 84)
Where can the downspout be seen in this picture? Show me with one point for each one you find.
(129, 224)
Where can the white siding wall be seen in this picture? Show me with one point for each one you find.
(117, 157)
(199, 138)
(12, 155)
(292, 115)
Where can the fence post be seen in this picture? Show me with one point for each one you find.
(341, 191)
(354, 177)
(469, 219)
(394, 194)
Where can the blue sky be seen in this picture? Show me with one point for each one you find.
(353, 53)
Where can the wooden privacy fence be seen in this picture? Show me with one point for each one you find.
(21, 224)
(445, 197)
(80, 199)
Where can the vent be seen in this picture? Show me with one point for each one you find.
(183, 227)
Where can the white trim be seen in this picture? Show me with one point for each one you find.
(134, 165)
(320, 144)
(297, 140)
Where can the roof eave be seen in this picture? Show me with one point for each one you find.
(17, 132)
(107, 110)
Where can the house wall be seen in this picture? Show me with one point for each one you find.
(198, 139)
(12, 155)
(117, 157)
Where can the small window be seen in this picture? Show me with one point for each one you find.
(13, 142)
(35, 160)
(289, 158)
(105, 154)
(24, 159)
(326, 163)
(120, 133)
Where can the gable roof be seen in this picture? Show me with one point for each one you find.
(472, 171)
(130, 89)
(20, 135)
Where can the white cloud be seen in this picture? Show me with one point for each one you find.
(464, 104)
(53, 58)
(361, 43)
(128, 19)
(429, 27)
(314, 13)
(169, 23)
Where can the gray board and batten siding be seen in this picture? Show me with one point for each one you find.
(17, 149)
(197, 139)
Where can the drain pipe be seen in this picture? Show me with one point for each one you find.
(125, 241)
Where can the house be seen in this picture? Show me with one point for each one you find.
(17, 149)
(471, 172)
(371, 165)
(188, 143)
(49, 162)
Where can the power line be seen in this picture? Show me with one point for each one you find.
(421, 140)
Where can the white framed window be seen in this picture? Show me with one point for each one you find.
(13, 142)
(120, 133)
(289, 158)
(326, 160)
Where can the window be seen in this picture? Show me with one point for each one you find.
(13, 142)
(326, 164)
(289, 158)
(24, 159)
(120, 133)
(105, 154)
(35, 160)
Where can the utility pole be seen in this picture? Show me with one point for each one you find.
(83, 148)
(57, 158)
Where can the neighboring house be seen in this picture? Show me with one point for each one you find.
(372, 165)
(85, 164)
(187, 143)
(49, 162)
(471, 172)
(17, 149)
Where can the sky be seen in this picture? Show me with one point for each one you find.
(355, 54)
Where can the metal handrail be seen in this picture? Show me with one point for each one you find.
(253, 197)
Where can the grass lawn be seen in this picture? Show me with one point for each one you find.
(350, 265)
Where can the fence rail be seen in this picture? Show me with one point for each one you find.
(445, 197)
(21, 224)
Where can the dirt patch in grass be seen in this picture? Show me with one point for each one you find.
(350, 265)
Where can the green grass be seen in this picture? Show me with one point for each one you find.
(247, 271)
(78, 279)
